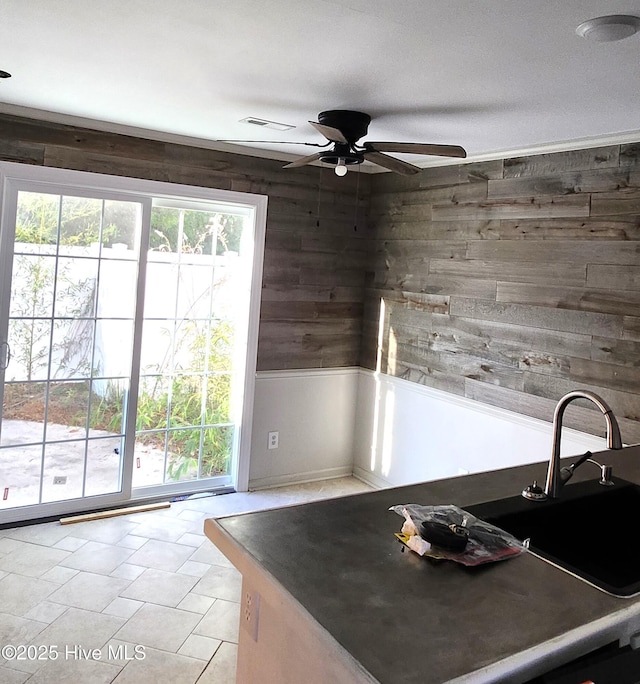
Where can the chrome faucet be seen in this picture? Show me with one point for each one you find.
(614, 441)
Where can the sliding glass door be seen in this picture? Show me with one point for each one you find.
(126, 363)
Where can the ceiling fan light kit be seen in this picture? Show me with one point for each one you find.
(343, 128)
(610, 28)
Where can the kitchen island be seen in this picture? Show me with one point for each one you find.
(329, 598)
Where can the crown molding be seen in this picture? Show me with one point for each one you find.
(620, 138)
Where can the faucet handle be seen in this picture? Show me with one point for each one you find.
(534, 492)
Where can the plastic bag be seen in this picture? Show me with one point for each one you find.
(486, 544)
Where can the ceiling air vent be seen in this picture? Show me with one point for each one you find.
(264, 123)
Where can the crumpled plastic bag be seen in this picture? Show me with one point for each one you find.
(487, 543)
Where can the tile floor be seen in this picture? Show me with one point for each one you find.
(142, 598)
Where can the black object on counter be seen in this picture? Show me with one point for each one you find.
(450, 537)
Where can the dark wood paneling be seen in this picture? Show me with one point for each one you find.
(565, 251)
(546, 297)
(315, 245)
(614, 277)
(558, 162)
(518, 271)
(605, 228)
(510, 282)
(573, 298)
(543, 207)
(569, 183)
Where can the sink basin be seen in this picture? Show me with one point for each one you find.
(590, 531)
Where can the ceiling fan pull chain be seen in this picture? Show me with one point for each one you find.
(319, 192)
(355, 218)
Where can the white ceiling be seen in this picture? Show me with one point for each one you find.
(495, 76)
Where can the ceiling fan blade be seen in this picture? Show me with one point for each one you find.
(330, 133)
(303, 161)
(390, 163)
(418, 148)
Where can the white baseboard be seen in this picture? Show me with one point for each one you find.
(370, 478)
(300, 478)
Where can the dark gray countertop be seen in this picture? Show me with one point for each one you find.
(408, 619)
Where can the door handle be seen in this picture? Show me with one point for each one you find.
(6, 355)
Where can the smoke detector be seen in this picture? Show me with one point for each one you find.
(610, 28)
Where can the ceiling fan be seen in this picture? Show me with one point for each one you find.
(343, 129)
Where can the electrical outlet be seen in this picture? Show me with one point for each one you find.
(274, 440)
(250, 613)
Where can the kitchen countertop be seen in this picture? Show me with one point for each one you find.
(407, 619)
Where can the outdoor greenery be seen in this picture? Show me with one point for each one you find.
(32, 339)
(78, 220)
(181, 403)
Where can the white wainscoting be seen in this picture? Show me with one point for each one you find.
(386, 431)
(406, 433)
(314, 412)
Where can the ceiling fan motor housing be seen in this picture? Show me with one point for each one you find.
(343, 152)
(353, 125)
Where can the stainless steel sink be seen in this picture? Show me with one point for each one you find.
(590, 531)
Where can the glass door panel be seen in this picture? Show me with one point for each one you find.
(185, 424)
(66, 383)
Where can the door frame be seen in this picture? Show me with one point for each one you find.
(124, 188)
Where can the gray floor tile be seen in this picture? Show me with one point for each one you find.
(84, 628)
(196, 603)
(8, 676)
(169, 530)
(163, 571)
(160, 587)
(207, 552)
(17, 630)
(31, 560)
(107, 531)
(200, 647)
(191, 539)
(222, 668)
(8, 545)
(97, 557)
(159, 666)
(46, 612)
(128, 571)
(224, 583)
(70, 543)
(45, 534)
(194, 568)
(71, 671)
(159, 627)
(132, 542)
(89, 591)
(221, 621)
(190, 515)
(161, 555)
(59, 575)
(123, 607)
(21, 594)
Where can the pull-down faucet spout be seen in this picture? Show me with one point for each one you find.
(554, 481)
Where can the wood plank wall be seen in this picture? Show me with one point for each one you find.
(512, 282)
(312, 294)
